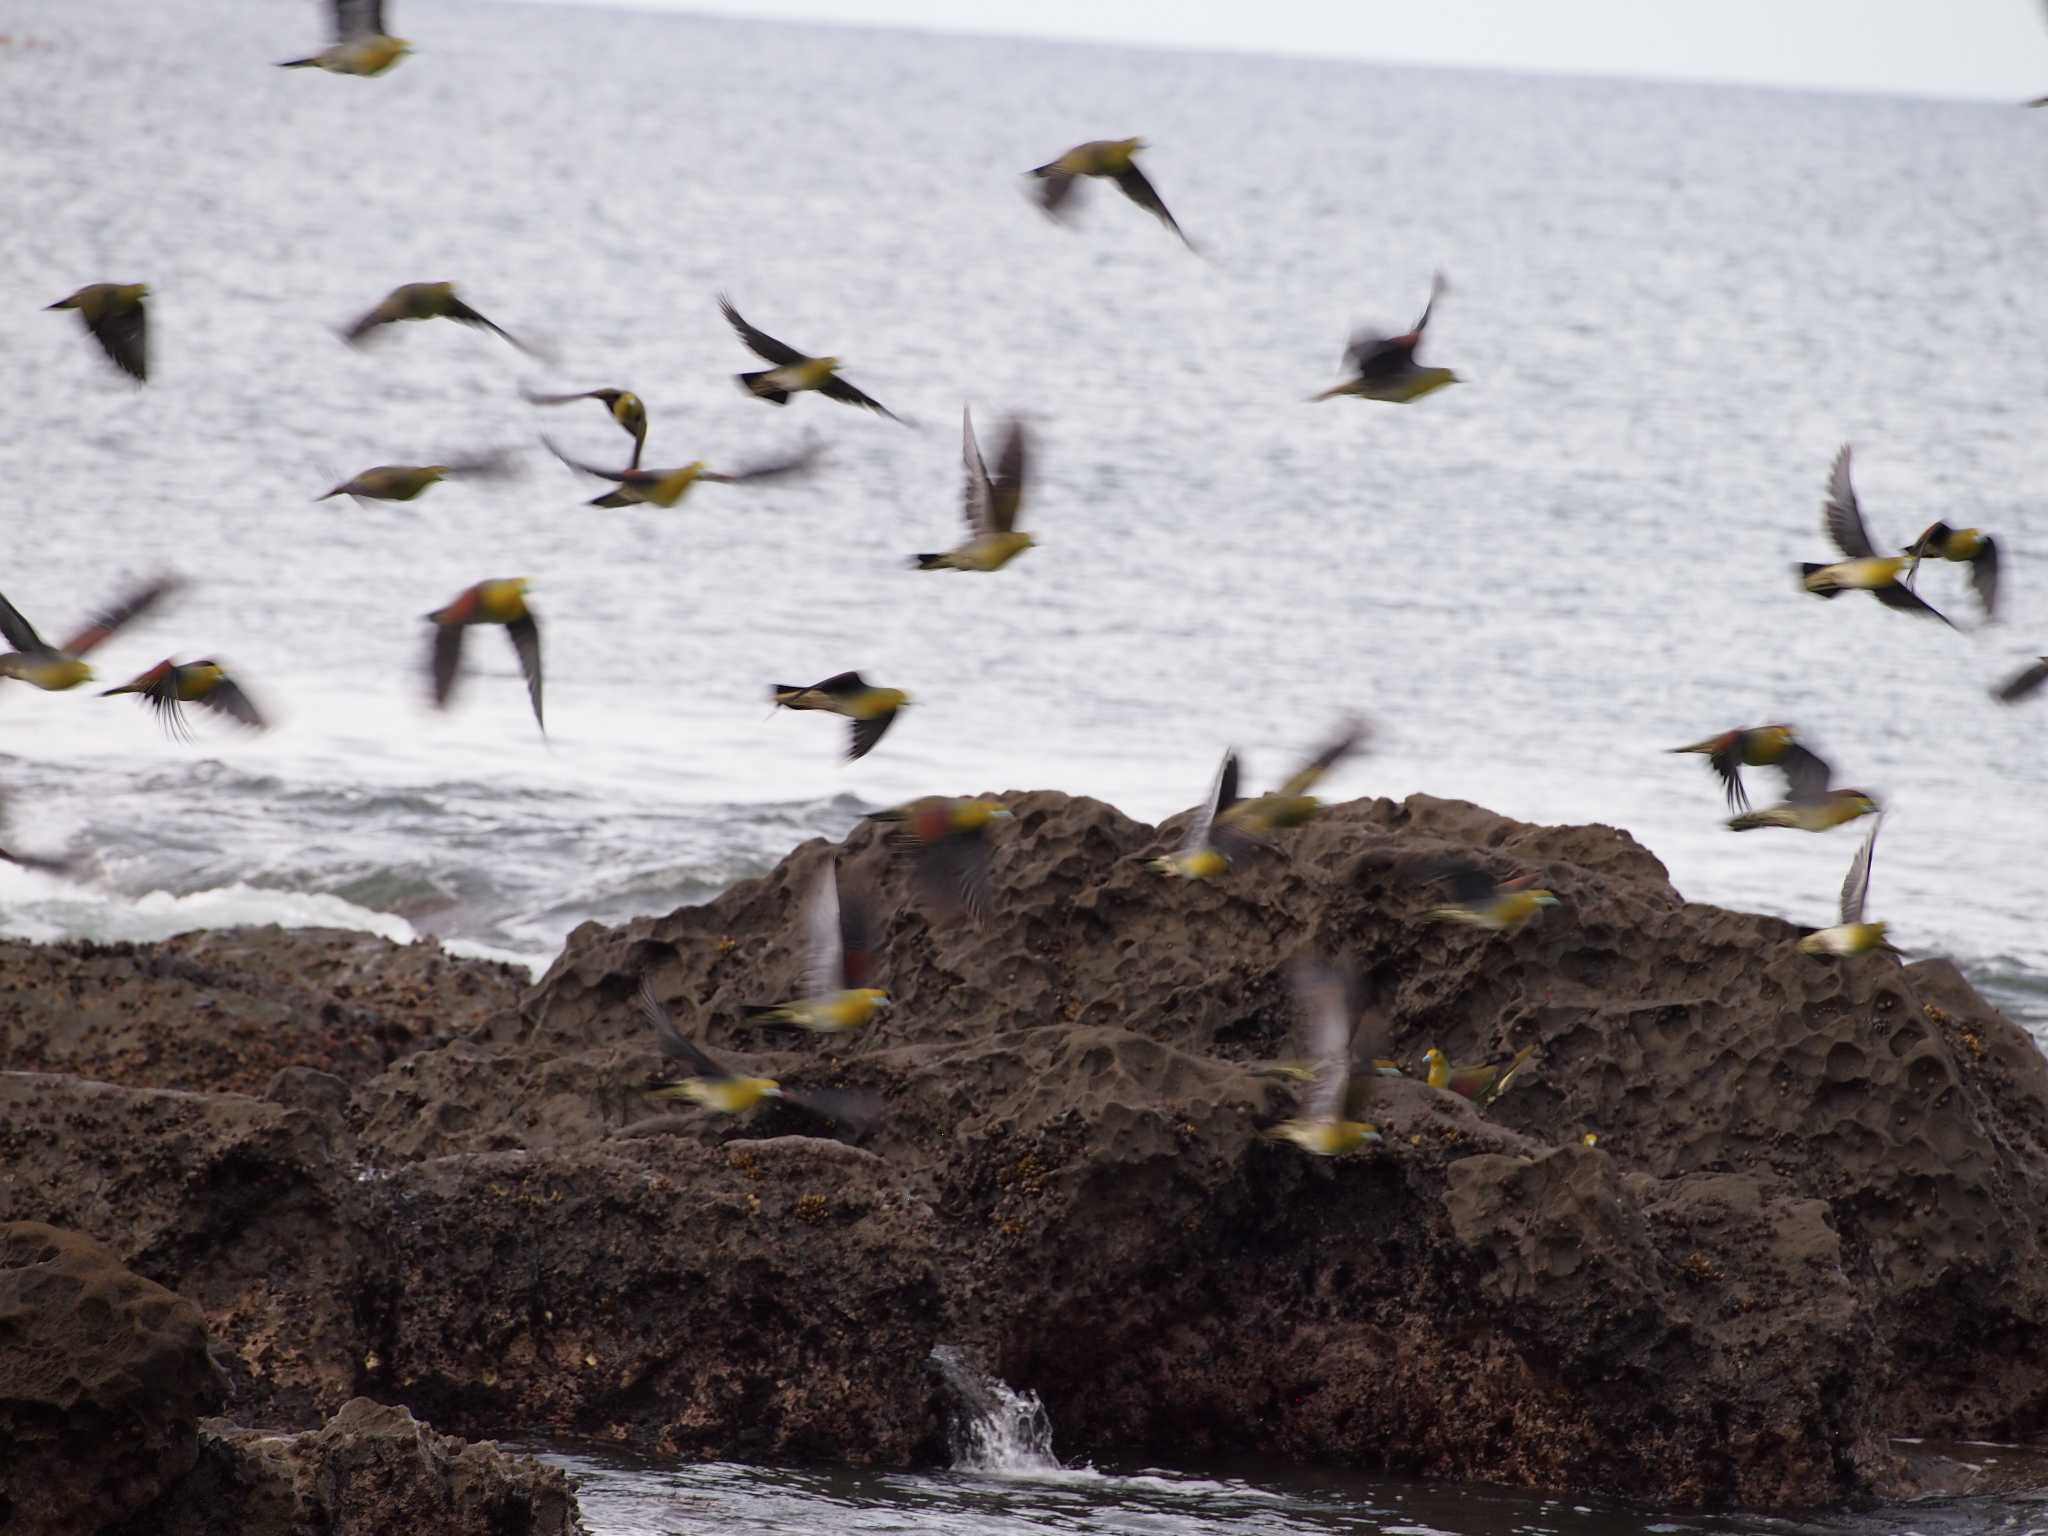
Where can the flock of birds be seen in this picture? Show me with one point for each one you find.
(947, 841)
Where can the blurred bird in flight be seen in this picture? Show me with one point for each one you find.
(2022, 682)
(1209, 846)
(403, 482)
(1384, 367)
(115, 316)
(1864, 570)
(839, 962)
(947, 842)
(1970, 546)
(499, 601)
(871, 710)
(668, 487)
(793, 372)
(1478, 900)
(1291, 804)
(1762, 746)
(1110, 158)
(168, 686)
(1809, 804)
(54, 668)
(361, 46)
(423, 301)
(622, 405)
(1851, 936)
(989, 504)
(1331, 1005)
(725, 1091)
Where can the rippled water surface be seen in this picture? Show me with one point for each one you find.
(1671, 304)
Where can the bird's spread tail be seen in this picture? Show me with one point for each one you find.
(1749, 821)
(786, 693)
(1331, 393)
(933, 562)
(762, 1012)
(298, 63)
(1806, 575)
(611, 499)
(757, 385)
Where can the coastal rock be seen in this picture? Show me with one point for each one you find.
(103, 1379)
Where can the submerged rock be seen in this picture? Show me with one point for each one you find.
(1813, 1217)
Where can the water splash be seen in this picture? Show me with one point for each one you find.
(994, 1429)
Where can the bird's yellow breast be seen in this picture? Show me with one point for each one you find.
(501, 602)
(1325, 1138)
(729, 1095)
(1844, 939)
(675, 485)
(50, 676)
(1964, 543)
(876, 701)
(197, 681)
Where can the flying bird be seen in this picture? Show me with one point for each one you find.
(423, 301)
(1112, 158)
(947, 842)
(168, 686)
(720, 1089)
(622, 405)
(667, 487)
(1852, 936)
(793, 371)
(1864, 570)
(1332, 1007)
(403, 482)
(839, 961)
(500, 601)
(989, 504)
(1384, 367)
(361, 44)
(1291, 804)
(1762, 746)
(115, 315)
(2022, 682)
(1478, 900)
(1809, 806)
(871, 710)
(1971, 546)
(53, 668)
(1210, 844)
(1482, 1084)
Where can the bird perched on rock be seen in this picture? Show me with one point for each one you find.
(1864, 570)
(718, 1088)
(1291, 804)
(1332, 1007)
(361, 46)
(168, 686)
(622, 405)
(1970, 546)
(1762, 746)
(2022, 682)
(839, 961)
(1209, 846)
(1111, 158)
(1482, 1084)
(498, 601)
(947, 842)
(1851, 936)
(990, 505)
(871, 710)
(793, 372)
(1384, 367)
(1478, 900)
(116, 316)
(54, 668)
(403, 482)
(667, 487)
(423, 301)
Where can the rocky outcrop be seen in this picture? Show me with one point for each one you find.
(1813, 1217)
(103, 1378)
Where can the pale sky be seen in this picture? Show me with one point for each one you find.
(1986, 48)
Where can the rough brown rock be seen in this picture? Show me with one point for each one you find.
(103, 1379)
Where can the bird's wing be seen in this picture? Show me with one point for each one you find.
(2022, 683)
(1436, 291)
(824, 945)
(1807, 774)
(457, 310)
(447, 660)
(1857, 886)
(357, 18)
(859, 935)
(227, 698)
(493, 464)
(1372, 356)
(977, 502)
(18, 632)
(1325, 997)
(953, 874)
(369, 320)
(1054, 188)
(1727, 765)
(1222, 796)
(1907, 601)
(1984, 575)
(131, 607)
(1140, 191)
(1470, 885)
(1008, 486)
(769, 469)
(525, 633)
(758, 341)
(839, 684)
(555, 448)
(1841, 516)
(836, 388)
(123, 334)
(1347, 740)
(672, 1040)
(866, 733)
(532, 398)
